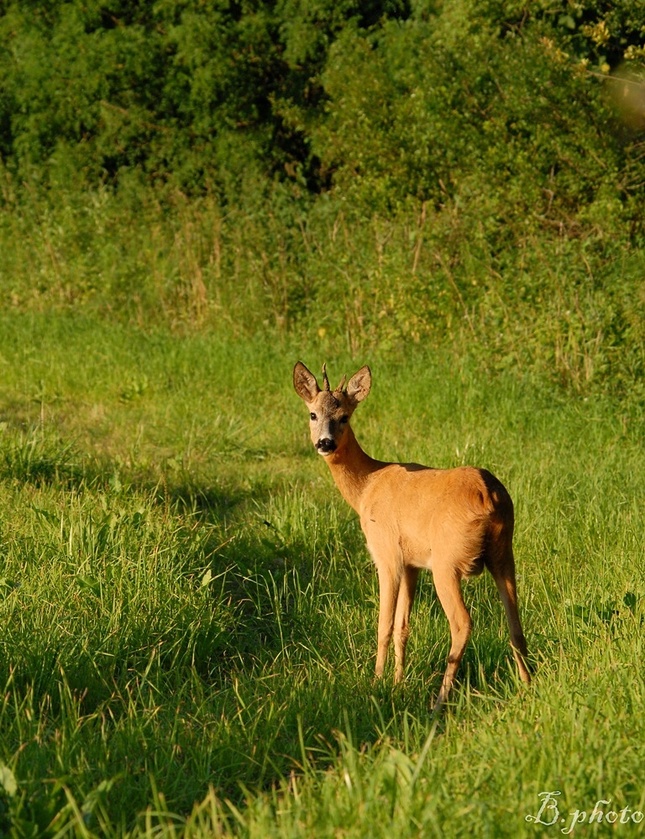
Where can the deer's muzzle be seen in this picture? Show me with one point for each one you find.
(326, 445)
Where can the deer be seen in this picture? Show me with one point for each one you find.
(453, 522)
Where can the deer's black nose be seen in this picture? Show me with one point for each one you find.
(326, 445)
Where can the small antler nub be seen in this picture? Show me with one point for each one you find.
(342, 383)
(325, 378)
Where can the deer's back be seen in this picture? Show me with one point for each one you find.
(424, 513)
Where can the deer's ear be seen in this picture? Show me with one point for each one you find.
(304, 383)
(359, 385)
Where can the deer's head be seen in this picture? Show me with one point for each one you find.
(330, 410)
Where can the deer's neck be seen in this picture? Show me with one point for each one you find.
(350, 468)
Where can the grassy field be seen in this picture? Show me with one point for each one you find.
(192, 197)
(189, 611)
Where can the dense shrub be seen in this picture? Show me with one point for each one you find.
(174, 89)
(393, 99)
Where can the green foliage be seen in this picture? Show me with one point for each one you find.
(370, 174)
(448, 112)
(174, 89)
(386, 102)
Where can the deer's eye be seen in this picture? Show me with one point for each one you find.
(344, 419)
(312, 416)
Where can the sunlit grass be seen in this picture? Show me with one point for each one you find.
(189, 610)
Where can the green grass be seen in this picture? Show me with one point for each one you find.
(189, 611)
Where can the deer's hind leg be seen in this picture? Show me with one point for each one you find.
(501, 564)
(447, 580)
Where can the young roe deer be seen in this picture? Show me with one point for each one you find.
(451, 521)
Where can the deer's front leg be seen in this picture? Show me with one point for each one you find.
(402, 618)
(389, 580)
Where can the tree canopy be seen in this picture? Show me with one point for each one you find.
(504, 101)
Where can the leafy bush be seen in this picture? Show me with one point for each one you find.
(173, 89)
(399, 100)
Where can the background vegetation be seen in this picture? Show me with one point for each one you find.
(388, 173)
(194, 195)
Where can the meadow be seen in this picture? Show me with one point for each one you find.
(194, 196)
(189, 611)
